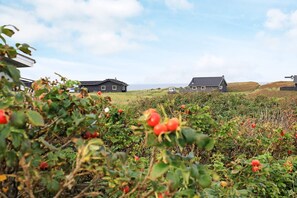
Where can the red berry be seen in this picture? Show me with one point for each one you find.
(154, 119)
(255, 163)
(126, 189)
(87, 135)
(290, 152)
(43, 166)
(183, 106)
(160, 128)
(120, 111)
(253, 125)
(94, 135)
(149, 111)
(255, 168)
(3, 117)
(282, 133)
(172, 124)
(136, 158)
(99, 93)
(160, 195)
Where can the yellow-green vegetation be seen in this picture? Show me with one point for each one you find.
(277, 85)
(252, 89)
(243, 86)
(123, 98)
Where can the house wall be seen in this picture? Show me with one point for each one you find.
(109, 87)
(210, 88)
(95, 88)
(224, 86)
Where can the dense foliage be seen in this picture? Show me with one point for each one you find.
(54, 144)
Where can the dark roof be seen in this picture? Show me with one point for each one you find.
(115, 81)
(86, 83)
(207, 81)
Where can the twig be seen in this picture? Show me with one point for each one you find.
(146, 177)
(3, 195)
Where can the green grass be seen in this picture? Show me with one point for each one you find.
(124, 98)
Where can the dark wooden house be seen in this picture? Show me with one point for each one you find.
(108, 85)
(294, 77)
(208, 84)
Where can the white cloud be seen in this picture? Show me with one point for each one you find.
(99, 26)
(178, 4)
(281, 31)
(276, 19)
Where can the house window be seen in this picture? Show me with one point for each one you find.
(203, 87)
(114, 87)
(220, 87)
(194, 88)
(103, 87)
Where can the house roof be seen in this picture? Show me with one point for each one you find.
(295, 78)
(20, 61)
(115, 81)
(207, 81)
(86, 83)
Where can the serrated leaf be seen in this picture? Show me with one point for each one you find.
(35, 118)
(158, 170)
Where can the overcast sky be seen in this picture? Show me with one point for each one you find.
(157, 41)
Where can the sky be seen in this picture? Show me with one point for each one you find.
(157, 41)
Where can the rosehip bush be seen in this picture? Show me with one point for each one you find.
(55, 144)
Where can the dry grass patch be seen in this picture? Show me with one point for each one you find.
(242, 86)
(274, 93)
(277, 85)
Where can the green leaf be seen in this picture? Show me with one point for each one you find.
(7, 32)
(3, 135)
(174, 178)
(189, 134)
(158, 170)
(204, 142)
(14, 73)
(194, 171)
(11, 159)
(186, 192)
(186, 177)
(35, 118)
(18, 119)
(25, 48)
(16, 139)
(53, 185)
(204, 180)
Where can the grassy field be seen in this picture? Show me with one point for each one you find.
(251, 89)
(123, 98)
(243, 86)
